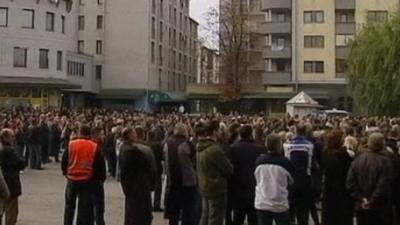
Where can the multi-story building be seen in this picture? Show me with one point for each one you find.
(129, 52)
(36, 40)
(301, 46)
(145, 51)
(307, 44)
(208, 66)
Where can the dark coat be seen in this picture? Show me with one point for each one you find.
(337, 204)
(243, 155)
(55, 139)
(11, 165)
(135, 171)
(370, 177)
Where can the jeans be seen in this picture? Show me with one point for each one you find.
(213, 210)
(11, 212)
(35, 156)
(187, 203)
(266, 218)
(99, 202)
(83, 192)
(138, 210)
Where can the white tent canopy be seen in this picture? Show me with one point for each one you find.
(301, 104)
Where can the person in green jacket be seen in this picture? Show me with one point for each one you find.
(214, 169)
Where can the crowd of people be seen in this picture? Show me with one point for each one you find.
(220, 169)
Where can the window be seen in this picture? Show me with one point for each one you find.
(43, 58)
(20, 56)
(377, 16)
(81, 22)
(99, 72)
(50, 21)
(81, 2)
(100, 2)
(314, 42)
(313, 67)
(280, 65)
(161, 31)
(28, 18)
(153, 52)
(346, 16)
(344, 39)
(99, 22)
(99, 47)
(160, 79)
(313, 16)
(81, 46)
(160, 52)
(59, 60)
(341, 66)
(153, 28)
(76, 69)
(63, 24)
(3, 17)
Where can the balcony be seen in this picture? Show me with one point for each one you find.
(345, 4)
(277, 28)
(345, 28)
(342, 52)
(275, 4)
(276, 53)
(258, 66)
(277, 77)
(341, 75)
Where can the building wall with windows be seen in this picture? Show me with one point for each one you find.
(34, 41)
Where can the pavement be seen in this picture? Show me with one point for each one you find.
(42, 201)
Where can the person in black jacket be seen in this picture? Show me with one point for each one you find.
(44, 136)
(98, 190)
(11, 165)
(157, 149)
(337, 204)
(35, 147)
(243, 156)
(369, 180)
(136, 183)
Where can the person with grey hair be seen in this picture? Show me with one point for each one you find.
(11, 165)
(369, 181)
(273, 176)
(181, 178)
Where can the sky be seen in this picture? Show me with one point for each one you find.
(198, 9)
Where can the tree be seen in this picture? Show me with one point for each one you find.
(229, 24)
(374, 67)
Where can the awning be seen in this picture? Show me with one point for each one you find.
(165, 97)
(6, 81)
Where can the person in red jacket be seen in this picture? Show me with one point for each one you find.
(82, 165)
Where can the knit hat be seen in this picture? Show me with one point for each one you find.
(376, 142)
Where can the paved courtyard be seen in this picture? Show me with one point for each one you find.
(42, 201)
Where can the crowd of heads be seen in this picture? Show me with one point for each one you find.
(350, 131)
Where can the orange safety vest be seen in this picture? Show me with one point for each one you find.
(81, 156)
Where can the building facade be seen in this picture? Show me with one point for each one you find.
(208, 66)
(299, 46)
(122, 52)
(145, 51)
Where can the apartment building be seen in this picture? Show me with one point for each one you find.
(145, 51)
(307, 44)
(208, 66)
